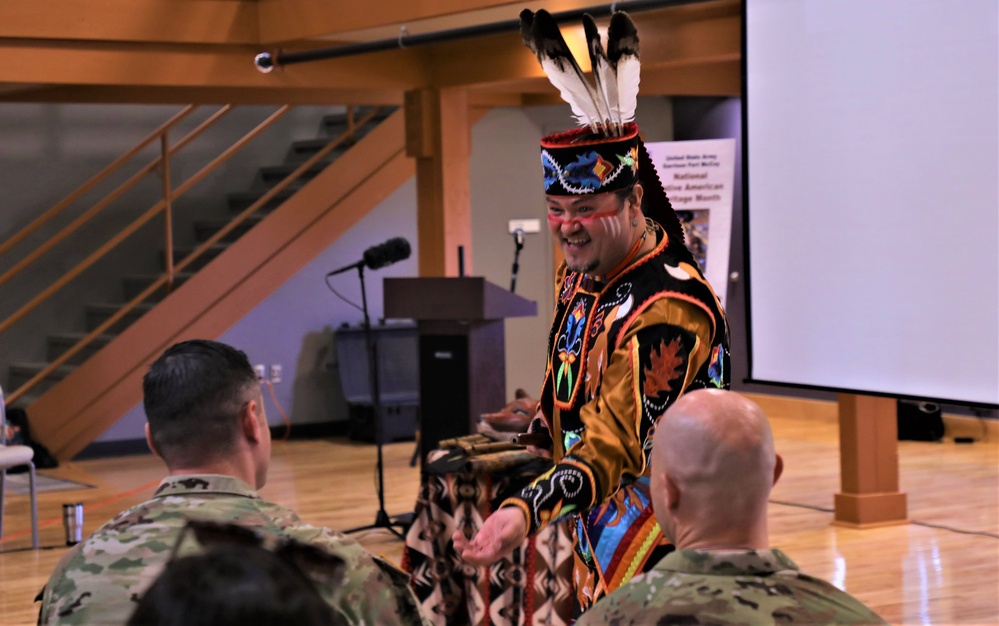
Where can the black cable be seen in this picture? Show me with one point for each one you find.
(916, 522)
(955, 530)
(340, 295)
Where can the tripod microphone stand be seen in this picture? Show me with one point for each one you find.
(382, 519)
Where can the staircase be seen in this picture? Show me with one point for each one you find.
(65, 403)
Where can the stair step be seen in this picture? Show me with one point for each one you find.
(180, 253)
(273, 174)
(204, 229)
(97, 314)
(332, 125)
(20, 373)
(240, 201)
(304, 148)
(336, 123)
(58, 344)
(137, 283)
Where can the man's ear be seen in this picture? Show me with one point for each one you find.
(672, 492)
(636, 193)
(149, 442)
(778, 468)
(250, 421)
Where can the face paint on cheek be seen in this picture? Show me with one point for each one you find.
(610, 225)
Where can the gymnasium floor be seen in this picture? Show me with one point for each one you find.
(941, 568)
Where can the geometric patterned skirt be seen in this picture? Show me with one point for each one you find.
(531, 587)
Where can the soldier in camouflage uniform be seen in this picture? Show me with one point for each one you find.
(711, 479)
(206, 421)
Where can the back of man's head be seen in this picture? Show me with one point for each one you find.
(193, 394)
(717, 449)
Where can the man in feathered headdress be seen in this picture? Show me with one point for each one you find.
(635, 324)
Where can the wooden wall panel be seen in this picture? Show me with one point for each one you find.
(163, 21)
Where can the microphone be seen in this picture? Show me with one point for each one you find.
(518, 240)
(393, 250)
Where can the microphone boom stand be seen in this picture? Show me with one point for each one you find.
(382, 519)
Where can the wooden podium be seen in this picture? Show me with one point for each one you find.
(461, 348)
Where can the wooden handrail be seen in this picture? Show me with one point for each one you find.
(132, 227)
(167, 211)
(163, 205)
(121, 236)
(279, 187)
(116, 193)
(42, 219)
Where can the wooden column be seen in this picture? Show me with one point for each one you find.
(868, 458)
(438, 136)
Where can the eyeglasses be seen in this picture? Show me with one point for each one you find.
(317, 564)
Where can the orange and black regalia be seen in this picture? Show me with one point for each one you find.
(621, 350)
(622, 346)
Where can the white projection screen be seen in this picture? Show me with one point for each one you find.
(872, 196)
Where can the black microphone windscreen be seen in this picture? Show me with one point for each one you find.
(383, 254)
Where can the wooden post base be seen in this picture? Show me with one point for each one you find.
(861, 510)
(868, 448)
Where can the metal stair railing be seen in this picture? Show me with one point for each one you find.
(162, 206)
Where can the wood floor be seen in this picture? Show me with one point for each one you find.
(942, 568)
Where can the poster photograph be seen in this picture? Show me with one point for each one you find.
(698, 177)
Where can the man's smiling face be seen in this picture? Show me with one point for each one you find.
(594, 231)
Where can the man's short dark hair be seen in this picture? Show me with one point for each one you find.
(233, 584)
(193, 394)
(623, 195)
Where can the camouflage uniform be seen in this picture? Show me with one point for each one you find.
(99, 580)
(750, 587)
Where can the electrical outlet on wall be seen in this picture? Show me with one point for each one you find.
(526, 225)
(276, 372)
(261, 372)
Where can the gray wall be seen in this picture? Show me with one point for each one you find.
(47, 151)
(294, 325)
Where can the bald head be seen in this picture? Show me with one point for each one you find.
(716, 451)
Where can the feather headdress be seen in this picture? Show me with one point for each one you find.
(609, 101)
(605, 154)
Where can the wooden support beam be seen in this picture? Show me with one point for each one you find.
(126, 94)
(161, 21)
(868, 443)
(687, 43)
(686, 50)
(291, 20)
(40, 63)
(438, 136)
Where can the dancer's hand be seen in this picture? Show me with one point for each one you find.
(500, 534)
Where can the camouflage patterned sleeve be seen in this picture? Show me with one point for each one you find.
(757, 587)
(374, 591)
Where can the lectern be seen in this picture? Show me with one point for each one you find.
(461, 348)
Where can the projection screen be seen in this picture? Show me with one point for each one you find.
(872, 196)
